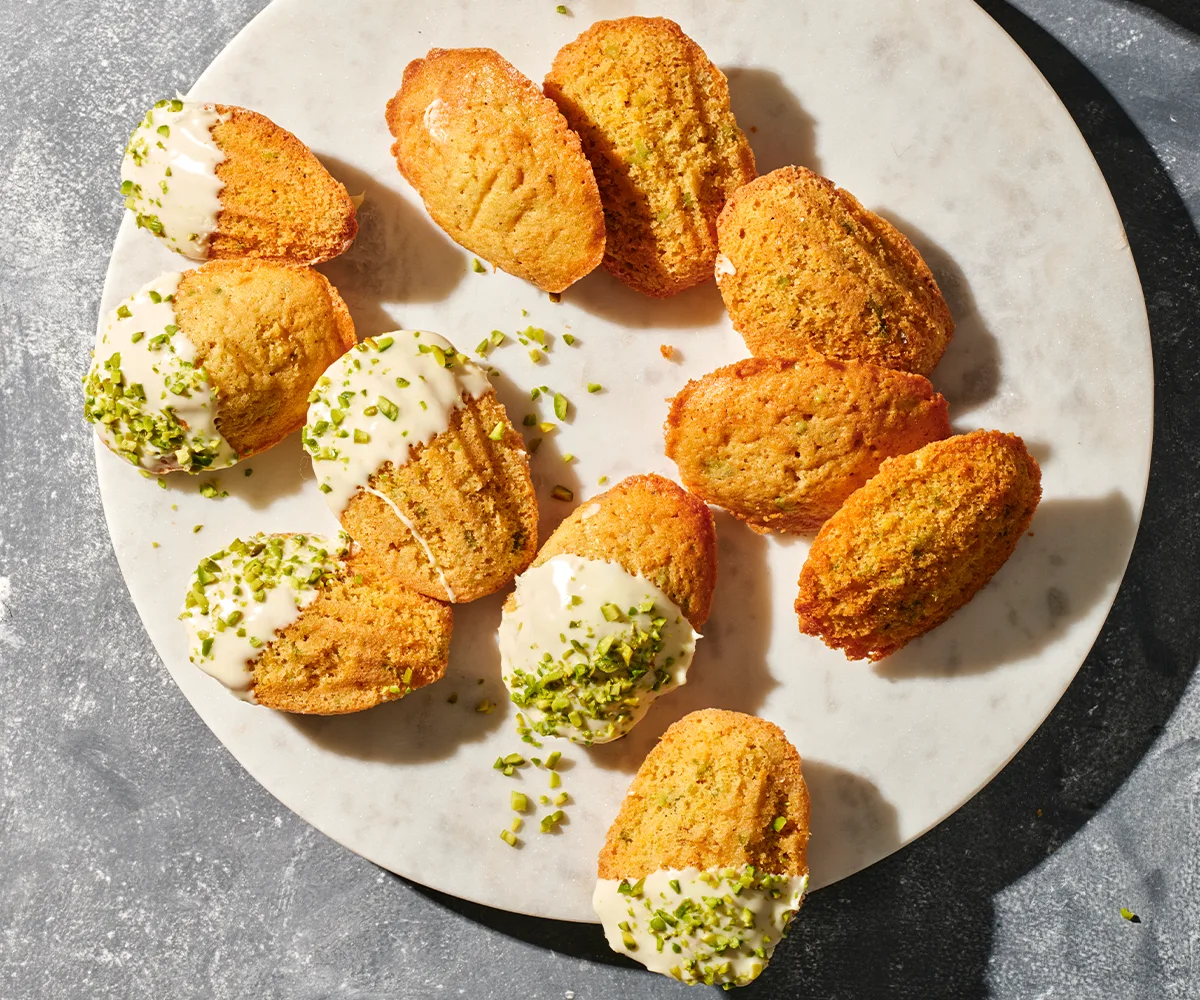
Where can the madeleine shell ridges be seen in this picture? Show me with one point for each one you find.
(265, 332)
(353, 646)
(781, 444)
(708, 796)
(917, 542)
(653, 114)
(809, 267)
(650, 527)
(497, 166)
(278, 201)
(469, 497)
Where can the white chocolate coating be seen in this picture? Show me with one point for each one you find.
(169, 175)
(380, 399)
(717, 927)
(563, 650)
(240, 597)
(144, 394)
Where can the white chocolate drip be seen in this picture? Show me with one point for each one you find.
(240, 597)
(148, 400)
(407, 522)
(379, 400)
(586, 611)
(719, 926)
(169, 175)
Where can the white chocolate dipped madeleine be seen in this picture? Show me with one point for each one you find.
(197, 370)
(706, 862)
(302, 624)
(417, 458)
(604, 622)
(215, 181)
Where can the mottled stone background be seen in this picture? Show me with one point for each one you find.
(138, 860)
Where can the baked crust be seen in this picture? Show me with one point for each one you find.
(917, 542)
(808, 267)
(781, 444)
(497, 166)
(707, 796)
(653, 113)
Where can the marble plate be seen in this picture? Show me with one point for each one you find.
(932, 117)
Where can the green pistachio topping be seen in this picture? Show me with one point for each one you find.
(595, 688)
(519, 801)
(779, 823)
(562, 493)
(477, 266)
(497, 432)
(560, 406)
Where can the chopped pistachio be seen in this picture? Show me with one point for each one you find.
(453, 697)
(594, 387)
(196, 528)
(519, 801)
(497, 432)
(486, 707)
(496, 337)
(555, 780)
(516, 824)
(535, 355)
(553, 759)
(561, 799)
(562, 493)
(602, 480)
(477, 266)
(530, 420)
(779, 823)
(508, 837)
(545, 427)
(534, 445)
(248, 473)
(560, 406)
(568, 457)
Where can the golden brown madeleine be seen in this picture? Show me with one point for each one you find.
(216, 181)
(804, 265)
(713, 832)
(497, 166)
(298, 623)
(917, 542)
(196, 370)
(652, 528)
(780, 444)
(264, 332)
(278, 201)
(417, 457)
(653, 113)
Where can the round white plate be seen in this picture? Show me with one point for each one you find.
(931, 116)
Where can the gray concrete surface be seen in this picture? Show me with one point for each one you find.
(138, 860)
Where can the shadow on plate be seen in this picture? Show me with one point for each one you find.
(730, 669)
(603, 295)
(852, 823)
(780, 131)
(398, 256)
(1072, 553)
(426, 726)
